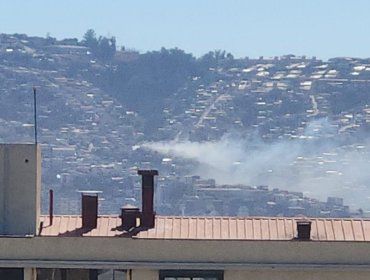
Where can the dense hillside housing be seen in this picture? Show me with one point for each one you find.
(88, 106)
(139, 245)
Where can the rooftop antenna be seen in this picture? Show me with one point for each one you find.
(35, 113)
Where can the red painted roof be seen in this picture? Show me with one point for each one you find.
(216, 228)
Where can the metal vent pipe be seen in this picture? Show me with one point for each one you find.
(147, 209)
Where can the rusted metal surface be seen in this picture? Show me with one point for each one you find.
(89, 211)
(147, 190)
(51, 206)
(303, 230)
(147, 217)
(216, 228)
(129, 217)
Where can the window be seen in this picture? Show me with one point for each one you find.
(191, 275)
(11, 273)
(110, 274)
(79, 274)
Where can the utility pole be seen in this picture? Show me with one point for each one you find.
(35, 113)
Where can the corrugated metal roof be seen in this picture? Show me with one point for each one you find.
(216, 228)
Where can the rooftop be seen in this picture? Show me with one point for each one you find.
(214, 228)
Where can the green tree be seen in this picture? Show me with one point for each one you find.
(90, 40)
(103, 48)
(106, 48)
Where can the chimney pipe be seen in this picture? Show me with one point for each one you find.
(51, 206)
(148, 214)
(89, 210)
(304, 230)
(129, 216)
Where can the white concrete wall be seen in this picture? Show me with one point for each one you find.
(240, 259)
(273, 274)
(20, 181)
(118, 249)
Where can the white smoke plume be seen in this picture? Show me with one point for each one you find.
(318, 163)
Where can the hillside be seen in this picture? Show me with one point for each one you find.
(95, 112)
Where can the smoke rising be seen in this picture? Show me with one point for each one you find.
(319, 163)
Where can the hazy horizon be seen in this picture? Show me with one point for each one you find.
(324, 29)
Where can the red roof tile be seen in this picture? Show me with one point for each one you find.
(216, 228)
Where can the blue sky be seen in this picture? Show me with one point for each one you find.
(322, 28)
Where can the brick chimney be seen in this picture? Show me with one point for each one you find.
(147, 210)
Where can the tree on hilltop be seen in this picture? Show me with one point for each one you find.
(90, 40)
(102, 47)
